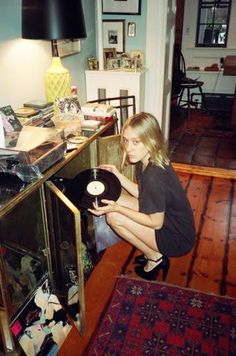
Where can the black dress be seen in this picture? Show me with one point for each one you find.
(160, 191)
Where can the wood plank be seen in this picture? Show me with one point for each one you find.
(180, 270)
(231, 260)
(207, 269)
(205, 171)
(184, 178)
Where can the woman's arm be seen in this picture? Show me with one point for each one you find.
(126, 183)
(154, 221)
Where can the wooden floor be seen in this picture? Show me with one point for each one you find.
(206, 139)
(209, 267)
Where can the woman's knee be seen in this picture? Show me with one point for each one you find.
(113, 219)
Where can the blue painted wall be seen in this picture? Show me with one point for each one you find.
(10, 21)
(139, 41)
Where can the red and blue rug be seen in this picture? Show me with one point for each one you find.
(153, 318)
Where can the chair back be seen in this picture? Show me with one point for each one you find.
(179, 70)
(125, 106)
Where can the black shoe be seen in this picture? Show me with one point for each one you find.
(140, 260)
(151, 275)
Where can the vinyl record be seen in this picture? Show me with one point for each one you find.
(93, 185)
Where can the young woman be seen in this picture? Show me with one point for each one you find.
(153, 215)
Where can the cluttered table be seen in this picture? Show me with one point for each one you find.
(6, 204)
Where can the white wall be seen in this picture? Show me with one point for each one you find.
(197, 56)
(22, 75)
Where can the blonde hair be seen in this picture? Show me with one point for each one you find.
(148, 131)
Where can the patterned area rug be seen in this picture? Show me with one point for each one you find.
(152, 318)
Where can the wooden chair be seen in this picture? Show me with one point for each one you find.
(125, 106)
(182, 85)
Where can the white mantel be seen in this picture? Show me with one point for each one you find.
(114, 81)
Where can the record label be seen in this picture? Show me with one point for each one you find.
(93, 185)
(95, 188)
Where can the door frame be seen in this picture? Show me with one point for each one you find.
(160, 37)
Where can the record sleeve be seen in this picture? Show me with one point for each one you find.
(26, 112)
(93, 185)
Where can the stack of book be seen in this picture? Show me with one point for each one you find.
(29, 116)
(45, 108)
(90, 124)
(99, 112)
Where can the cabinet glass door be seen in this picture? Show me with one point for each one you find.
(65, 246)
(23, 259)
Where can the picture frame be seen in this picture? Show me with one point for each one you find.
(68, 47)
(131, 32)
(113, 64)
(108, 53)
(139, 56)
(114, 35)
(93, 63)
(126, 7)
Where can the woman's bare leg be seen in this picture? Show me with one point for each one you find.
(138, 235)
(142, 237)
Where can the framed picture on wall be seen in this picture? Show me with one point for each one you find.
(114, 35)
(126, 7)
(68, 47)
(131, 32)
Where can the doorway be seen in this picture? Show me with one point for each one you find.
(205, 138)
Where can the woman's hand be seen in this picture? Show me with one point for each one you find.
(126, 183)
(110, 168)
(110, 207)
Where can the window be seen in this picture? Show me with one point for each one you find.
(213, 23)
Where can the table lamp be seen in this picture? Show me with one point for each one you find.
(53, 20)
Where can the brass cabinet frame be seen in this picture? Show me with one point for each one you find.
(53, 193)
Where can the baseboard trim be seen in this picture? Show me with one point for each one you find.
(205, 171)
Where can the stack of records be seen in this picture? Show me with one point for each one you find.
(29, 116)
(95, 109)
(99, 112)
(45, 108)
(90, 125)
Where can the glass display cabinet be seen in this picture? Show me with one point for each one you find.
(24, 261)
(41, 267)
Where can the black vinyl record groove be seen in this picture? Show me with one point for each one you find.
(93, 185)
